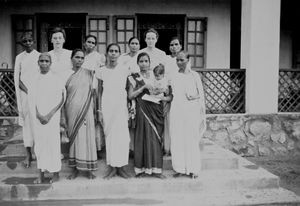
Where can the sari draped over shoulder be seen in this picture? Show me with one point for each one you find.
(80, 121)
(148, 156)
(187, 122)
(79, 96)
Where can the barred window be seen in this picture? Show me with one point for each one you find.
(196, 28)
(21, 24)
(98, 26)
(125, 27)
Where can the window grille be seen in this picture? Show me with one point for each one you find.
(196, 41)
(8, 102)
(289, 90)
(125, 27)
(224, 90)
(98, 26)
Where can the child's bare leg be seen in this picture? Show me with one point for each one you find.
(40, 179)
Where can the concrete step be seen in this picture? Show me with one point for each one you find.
(274, 197)
(213, 157)
(20, 185)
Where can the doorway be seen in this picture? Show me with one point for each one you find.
(167, 26)
(74, 25)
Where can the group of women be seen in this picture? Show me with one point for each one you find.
(119, 83)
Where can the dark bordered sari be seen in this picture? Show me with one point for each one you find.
(148, 153)
(78, 111)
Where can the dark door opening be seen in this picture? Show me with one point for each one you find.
(235, 34)
(166, 25)
(74, 25)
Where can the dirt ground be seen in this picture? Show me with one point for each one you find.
(287, 168)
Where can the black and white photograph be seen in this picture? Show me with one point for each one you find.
(162, 102)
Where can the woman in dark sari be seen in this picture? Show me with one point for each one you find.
(148, 143)
(79, 118)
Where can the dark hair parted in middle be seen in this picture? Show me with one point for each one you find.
(75, 51)
(132, 38)
(142, 55)
(113, 44)
(90, 35)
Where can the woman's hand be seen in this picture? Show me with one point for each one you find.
(43, 119)
(192, 97)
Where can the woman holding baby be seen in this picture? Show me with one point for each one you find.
(148, 143)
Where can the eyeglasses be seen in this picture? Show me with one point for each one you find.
(91, 42)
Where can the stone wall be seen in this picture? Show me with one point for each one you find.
(247, 135)
(256, 135)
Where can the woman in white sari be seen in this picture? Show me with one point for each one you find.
(187, 119)
(113, 78)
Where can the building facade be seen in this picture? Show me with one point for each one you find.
(259, 36)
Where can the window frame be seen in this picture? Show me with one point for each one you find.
(204, 44)
(125, 30)
(107, 30)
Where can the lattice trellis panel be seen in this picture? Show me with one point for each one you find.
(8, 104)
(289, 90)
(224, 90)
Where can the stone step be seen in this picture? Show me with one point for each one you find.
(213, 157)
(208, 181)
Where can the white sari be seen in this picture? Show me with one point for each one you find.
(115, 115)
(187, 122)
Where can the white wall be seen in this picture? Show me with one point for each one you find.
(217, 12)
(260, 54)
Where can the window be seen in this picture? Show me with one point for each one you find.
(196, 28)
(98, 26)
(21, 24)
(125, 27)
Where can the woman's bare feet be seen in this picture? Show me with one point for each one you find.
(73, 175)
(176, 175)
(142, 174)
(112, 171)
(90, 175)
(55, 177)
(121, 172)
(193, 176)
(40, 179)
(157, 175)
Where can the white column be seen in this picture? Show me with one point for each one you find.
(260, 32)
